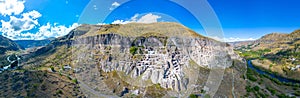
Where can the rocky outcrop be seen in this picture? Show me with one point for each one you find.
(142, 55)
(159, 59)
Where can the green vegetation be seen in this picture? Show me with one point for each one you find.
(69, 78)
(248, 88)
(203, 91)
(297, 93)
(251, 75)
(60, 74)
(290, 52)
(62, 68)
(36, 85)
(59, 92)
(262, 95)
(157, 85)
(271, 65)
(133, 50)
(256, 91)
(284, 96)
(256, 88)
(193, 96)
(136, 50)
(52, 68)
(206, 96)
(75, 81)
(155, 91)
(254, 54)
(3, 61)
(273, 91)
(279, 82)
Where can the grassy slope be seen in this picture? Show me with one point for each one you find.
(274, 52)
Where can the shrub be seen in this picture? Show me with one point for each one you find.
(271, 65)
(133, 50)
(256, 88)
(59, 92)
(249, 89)
(75, 81)
(297, 93)
(52, 68)
(69, 78)
(282, 96)
(251, 78)
(262, 95)
(193, 96)
(271, 90)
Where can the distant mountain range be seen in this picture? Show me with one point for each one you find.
(33, 43)
(273, 41)
(15, 45)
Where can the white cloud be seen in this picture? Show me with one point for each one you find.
(48, 31)
(15, 26)
(120, 22)
(148, 18)
(114, 5)
(95, 7)
(101, 23)
(32, 14)
(24, 26)
(232, 39)
(9, 7)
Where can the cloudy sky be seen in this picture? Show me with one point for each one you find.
(240, 19)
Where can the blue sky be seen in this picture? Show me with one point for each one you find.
(240, 19)
(255, 18)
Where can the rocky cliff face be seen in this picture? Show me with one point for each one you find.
(140, 55)
(152, 57)
(158, 59)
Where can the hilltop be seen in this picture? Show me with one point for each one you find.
(8, 45)
(161, 29)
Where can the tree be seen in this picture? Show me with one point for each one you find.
(256, 88)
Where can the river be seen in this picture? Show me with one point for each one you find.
(11, 65)
(280, 78)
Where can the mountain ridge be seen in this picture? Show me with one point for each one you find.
(168, 58)
(8, 45)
